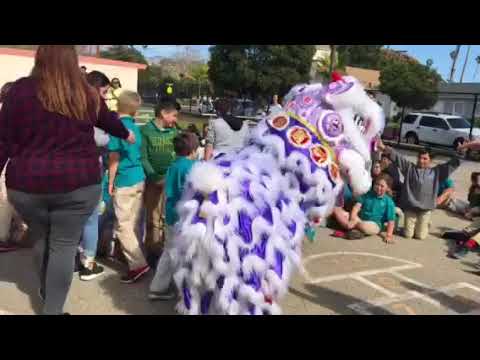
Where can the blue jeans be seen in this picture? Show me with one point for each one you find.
(89, 241)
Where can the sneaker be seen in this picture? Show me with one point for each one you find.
(41, 295)
(459, 253)
(134, 275)
(355, 235)
(169, 294)
(87, 274)
(4, 247)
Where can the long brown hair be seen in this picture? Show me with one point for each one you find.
(62, 88)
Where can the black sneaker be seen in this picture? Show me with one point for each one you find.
(87, 274)
(169, 294)
(459, 253)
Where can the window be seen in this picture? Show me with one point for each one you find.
(458, 108)
(409, 119)
(433, 122)
(458, 123)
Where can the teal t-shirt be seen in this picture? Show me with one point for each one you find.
(130, 170)
(377, 209)
(174, 184)
(447, 184)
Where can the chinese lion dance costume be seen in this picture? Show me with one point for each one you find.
(243, 214)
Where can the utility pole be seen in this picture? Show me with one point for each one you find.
(454, 56)
(465, 64)
(477, 59)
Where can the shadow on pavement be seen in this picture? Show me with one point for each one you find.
(455, 302)
(132, 299)
(19, 268)
(333, 300)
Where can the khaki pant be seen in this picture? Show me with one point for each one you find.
(128, 203)
(155, 205)
(416, 223)
(369, 228)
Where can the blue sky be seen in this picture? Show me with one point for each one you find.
(440, 54)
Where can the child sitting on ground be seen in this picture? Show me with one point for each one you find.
(419, 191)
(185, 146)
(371, 212)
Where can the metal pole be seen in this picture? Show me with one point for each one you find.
(465, 64)
(452, 72)
(472, 125)
(401, 123)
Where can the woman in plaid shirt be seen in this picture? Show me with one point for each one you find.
(53, 176)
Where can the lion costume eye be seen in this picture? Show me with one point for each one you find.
(330, 125)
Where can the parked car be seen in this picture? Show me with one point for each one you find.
(438, 129)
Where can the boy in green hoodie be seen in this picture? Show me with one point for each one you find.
(157, 156)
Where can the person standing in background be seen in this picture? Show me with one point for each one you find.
(226, 133)
(53, 176)
(113, 94)
(88, 268)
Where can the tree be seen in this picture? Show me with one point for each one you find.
(324, 68)
(410, 85)
(259, 71)
(124, 53)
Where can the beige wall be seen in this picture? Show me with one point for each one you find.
(13, 67)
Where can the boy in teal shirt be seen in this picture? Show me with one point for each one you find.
(372, 211)
(186, 145)
(126, 186)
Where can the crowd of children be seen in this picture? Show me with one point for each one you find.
(144, 181)
(423, 189)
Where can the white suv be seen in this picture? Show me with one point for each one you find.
(438, 129)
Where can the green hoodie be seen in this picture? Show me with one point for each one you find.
(157, 150)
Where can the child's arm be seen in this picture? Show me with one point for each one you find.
(446, 169)
(354, 218)
(113, 161)
(389, 233)
(469, 145)
(445, 195)
(400, 162)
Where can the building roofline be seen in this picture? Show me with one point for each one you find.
(81, 59)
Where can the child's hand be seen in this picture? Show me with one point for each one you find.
(131, 137)
(389, 239)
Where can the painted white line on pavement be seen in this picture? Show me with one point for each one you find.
(363, 273)
(361, 307)
(410, 280)
(408, 265)
(377, 287)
